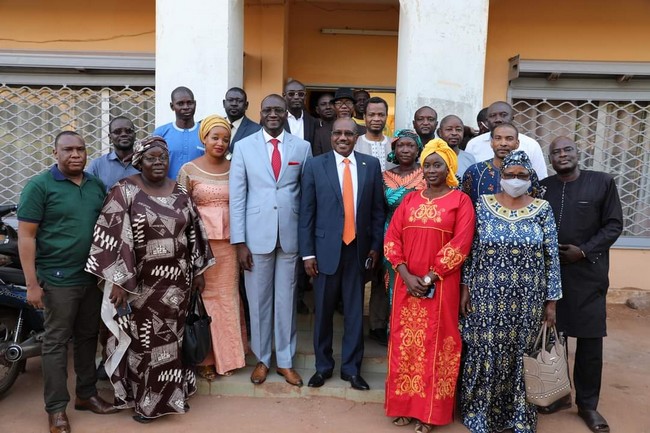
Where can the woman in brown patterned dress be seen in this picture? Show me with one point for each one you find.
(151, 249)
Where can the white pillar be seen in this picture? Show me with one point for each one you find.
(441, 58)
(200, 45)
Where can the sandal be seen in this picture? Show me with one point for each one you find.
(423, 427)
(561, 404)
(401, 421)
(207, 372)
(228, 373)
(594, 420)
(142, 419)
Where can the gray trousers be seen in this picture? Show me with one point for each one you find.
(70, 312)
(272, 297)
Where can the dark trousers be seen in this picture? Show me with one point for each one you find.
(347, 282)
(70, 312)
(587, 372)
(378, 304)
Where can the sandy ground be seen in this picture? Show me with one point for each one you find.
(625, 401)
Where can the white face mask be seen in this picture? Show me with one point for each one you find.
(515, 187)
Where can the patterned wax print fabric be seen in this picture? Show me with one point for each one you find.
(152, 247)
(481, 178)
(425, 345)
(396, 188)
(512, 270)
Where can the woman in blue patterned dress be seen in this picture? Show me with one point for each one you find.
(511, 282)
(398, 182)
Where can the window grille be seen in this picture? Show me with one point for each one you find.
(31, 116)
(612, 136)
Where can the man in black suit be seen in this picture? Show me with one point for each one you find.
(236, 104)
(298, 122)
(344, 108)
(341, 235)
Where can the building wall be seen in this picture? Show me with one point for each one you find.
(78, 25)
(562, 30)
(283, 41)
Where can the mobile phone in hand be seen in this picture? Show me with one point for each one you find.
(368, 263)
(431, 291)
(124, 310)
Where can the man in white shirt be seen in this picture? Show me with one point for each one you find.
(298, 121)
(374, 142)
(501, 112)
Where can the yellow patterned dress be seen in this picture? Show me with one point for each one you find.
(424, 347)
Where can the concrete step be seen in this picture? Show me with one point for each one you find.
(239, 385)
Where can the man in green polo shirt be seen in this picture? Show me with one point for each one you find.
(57, 212)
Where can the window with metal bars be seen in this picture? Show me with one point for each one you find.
(31, 116)
(613, 136)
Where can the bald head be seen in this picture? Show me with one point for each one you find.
(498, 112)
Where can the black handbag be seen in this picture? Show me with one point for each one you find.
(197, 340)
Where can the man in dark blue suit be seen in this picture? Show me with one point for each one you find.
(340, 234)
(236, 104)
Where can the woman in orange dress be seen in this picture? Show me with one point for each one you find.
(427, 241)
(206, 179)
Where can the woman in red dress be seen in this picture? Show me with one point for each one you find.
(427, 241)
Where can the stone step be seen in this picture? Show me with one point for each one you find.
(239, 385)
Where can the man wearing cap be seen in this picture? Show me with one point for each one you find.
(344, 108)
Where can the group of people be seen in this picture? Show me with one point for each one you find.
(467, 255)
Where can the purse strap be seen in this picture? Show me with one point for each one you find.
(200, 306)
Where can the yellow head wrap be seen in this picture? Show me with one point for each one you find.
(440, 147)
(210, 122)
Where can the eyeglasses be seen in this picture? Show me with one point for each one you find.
(300, 94)
(521, 176)
(121, 131)
(277, 110)
(154, 159)
(339, 104)
(348, 134)
(567, 149)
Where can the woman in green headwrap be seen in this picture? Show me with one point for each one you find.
(206, 179)
(399, 181)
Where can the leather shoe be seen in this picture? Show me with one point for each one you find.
(95, 404)
(258, 376)
(356, 381)
(290, 375)
(59, 422)
(318, 379)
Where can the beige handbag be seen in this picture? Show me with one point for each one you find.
(546, 372)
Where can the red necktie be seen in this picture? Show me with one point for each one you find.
(276, 160)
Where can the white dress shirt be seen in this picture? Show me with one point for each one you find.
(234, 126)
(340, 167)
(269, 146)
(296, 125)
(481, 148)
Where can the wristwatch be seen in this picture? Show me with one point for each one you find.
(427, 280)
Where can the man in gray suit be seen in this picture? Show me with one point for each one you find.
(264, 201)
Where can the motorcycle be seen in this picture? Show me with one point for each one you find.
(21, 326)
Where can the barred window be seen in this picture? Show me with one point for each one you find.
(612, 136)
(31, 116)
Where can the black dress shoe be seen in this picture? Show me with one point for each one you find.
(318, 379)
(302, 307)
(357, 382)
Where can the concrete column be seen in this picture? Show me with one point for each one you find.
(200, 45)
(441, 58)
